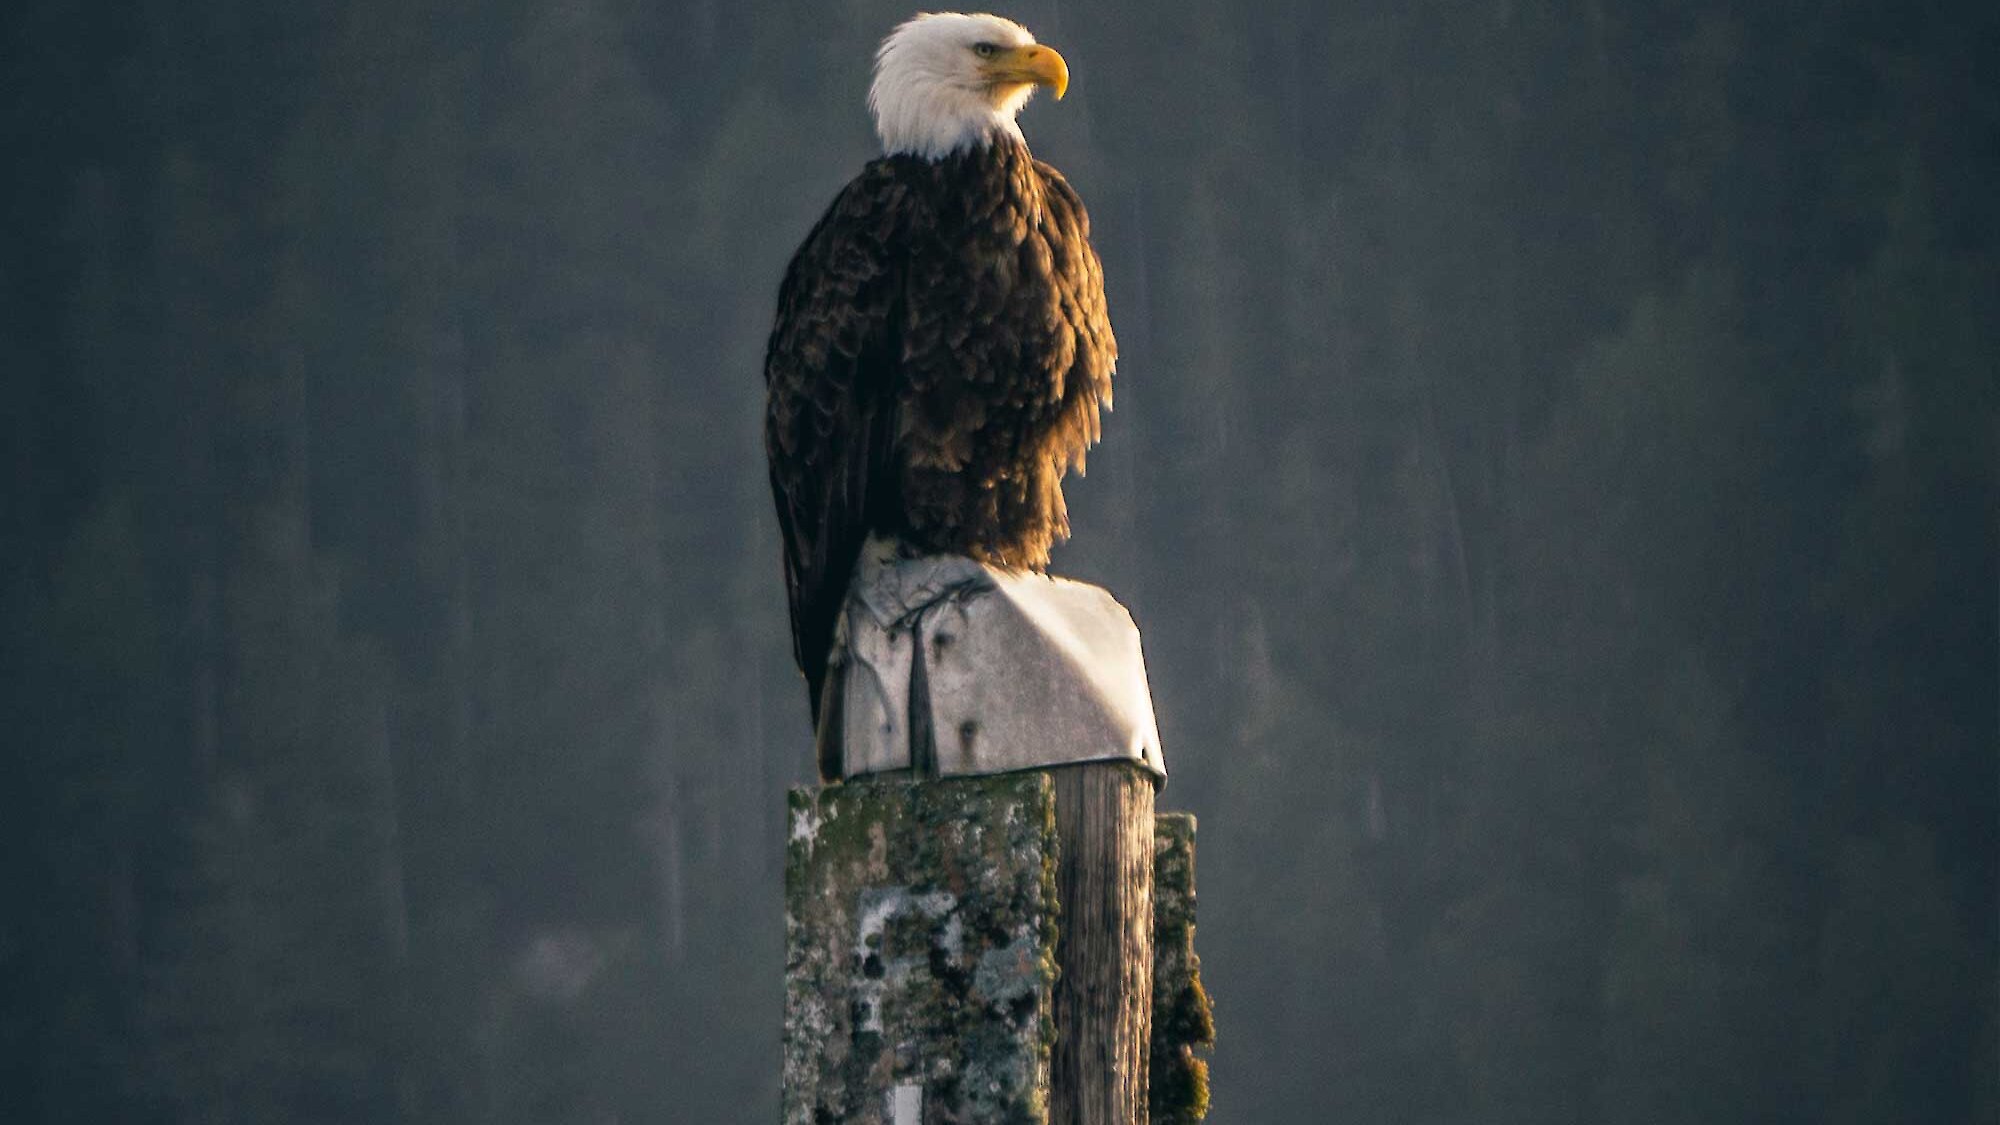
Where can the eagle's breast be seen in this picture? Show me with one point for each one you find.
(1007, 357)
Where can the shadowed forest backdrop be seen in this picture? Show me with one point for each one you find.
(1554, 464)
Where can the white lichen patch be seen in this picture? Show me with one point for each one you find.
(805, 827)
(952, 939)
(1008, 972)
(878, 852)
(879, 904)
(882, 969)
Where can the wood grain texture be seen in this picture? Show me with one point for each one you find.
(1103, 999)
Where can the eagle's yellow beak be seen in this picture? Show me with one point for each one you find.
(1033, 65)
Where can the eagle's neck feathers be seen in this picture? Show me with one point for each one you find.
(934, 126)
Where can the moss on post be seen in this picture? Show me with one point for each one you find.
(920, 927)
(921, 972)
(1182, 1017)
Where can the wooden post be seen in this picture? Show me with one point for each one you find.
(1104, 947)
(1183, 1022)
(982, 950)
(920, 932)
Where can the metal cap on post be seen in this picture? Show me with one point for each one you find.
(950, 668)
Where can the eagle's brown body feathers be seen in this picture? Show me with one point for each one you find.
(940, 356)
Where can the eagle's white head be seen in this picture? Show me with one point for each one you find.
(945, 81)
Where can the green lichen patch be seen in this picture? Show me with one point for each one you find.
(920, 949)
(1183, 1019)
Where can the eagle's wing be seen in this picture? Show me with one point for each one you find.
(831, 371)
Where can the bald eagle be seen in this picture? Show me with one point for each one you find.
(942, 349)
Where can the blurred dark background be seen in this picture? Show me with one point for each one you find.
(1554, 465)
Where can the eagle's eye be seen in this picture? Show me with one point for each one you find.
(985, 50)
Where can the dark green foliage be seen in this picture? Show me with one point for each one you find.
(1553, 466)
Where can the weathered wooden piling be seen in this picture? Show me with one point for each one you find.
(920, 924)
(1104, 996)
(1183, 1022)
(983, 950)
